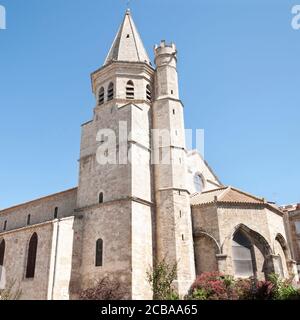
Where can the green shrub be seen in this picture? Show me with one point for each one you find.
(173, 296)
(215, 286)
(161, 278)
(199, 294)
(283, 289)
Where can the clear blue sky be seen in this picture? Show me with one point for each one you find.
(239, 65)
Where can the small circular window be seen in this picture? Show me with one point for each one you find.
(198, 182)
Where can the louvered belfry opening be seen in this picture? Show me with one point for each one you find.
(110, 92)
(130, 90)
(148, 93)
(101, 96)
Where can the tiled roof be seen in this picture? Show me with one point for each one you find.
(206, 196)
(225, 195)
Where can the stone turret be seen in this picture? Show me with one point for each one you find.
(167, 78)
(174, 239)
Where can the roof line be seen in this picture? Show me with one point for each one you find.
(225, 191)
(36, 200)
(248, 194)
(207, 191)
(112, 45)
(195, 151)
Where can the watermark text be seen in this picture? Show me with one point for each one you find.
(2, 18)
(296, 19)
(163, 146)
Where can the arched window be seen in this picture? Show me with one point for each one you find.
(56, 213)
(198, 183)
(101, 96)
(101, 197)
(31, 257)
(148, 92)
(99, 253)
(28, 219)
(242, 255)
(130, 90)
(2, 251)
(110, 92)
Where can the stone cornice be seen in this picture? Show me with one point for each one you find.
(166, 65)
(86, 123)
(122, 103)
(125, 64)
(113, 66)
(169, 98)
(110, 202)
(33, 226)
(174, 189)
(139, 145)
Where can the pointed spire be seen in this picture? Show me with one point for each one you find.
(127, 45)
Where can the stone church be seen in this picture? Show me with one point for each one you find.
(124, 216)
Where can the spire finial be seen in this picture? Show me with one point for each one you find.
(128, 6)
(127, 45)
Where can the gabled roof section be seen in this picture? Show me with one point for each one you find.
(195, 152)
(127, 45)
(225, 195)
(206, 196)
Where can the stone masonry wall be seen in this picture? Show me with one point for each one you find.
(15, 260)
(220, 222)
(40, 210)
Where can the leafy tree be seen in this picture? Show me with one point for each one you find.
(161, 278)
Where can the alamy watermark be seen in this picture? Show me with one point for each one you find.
(2, 17)
(296, 19)
(164, 146)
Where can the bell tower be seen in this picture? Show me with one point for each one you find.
(115, 181)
